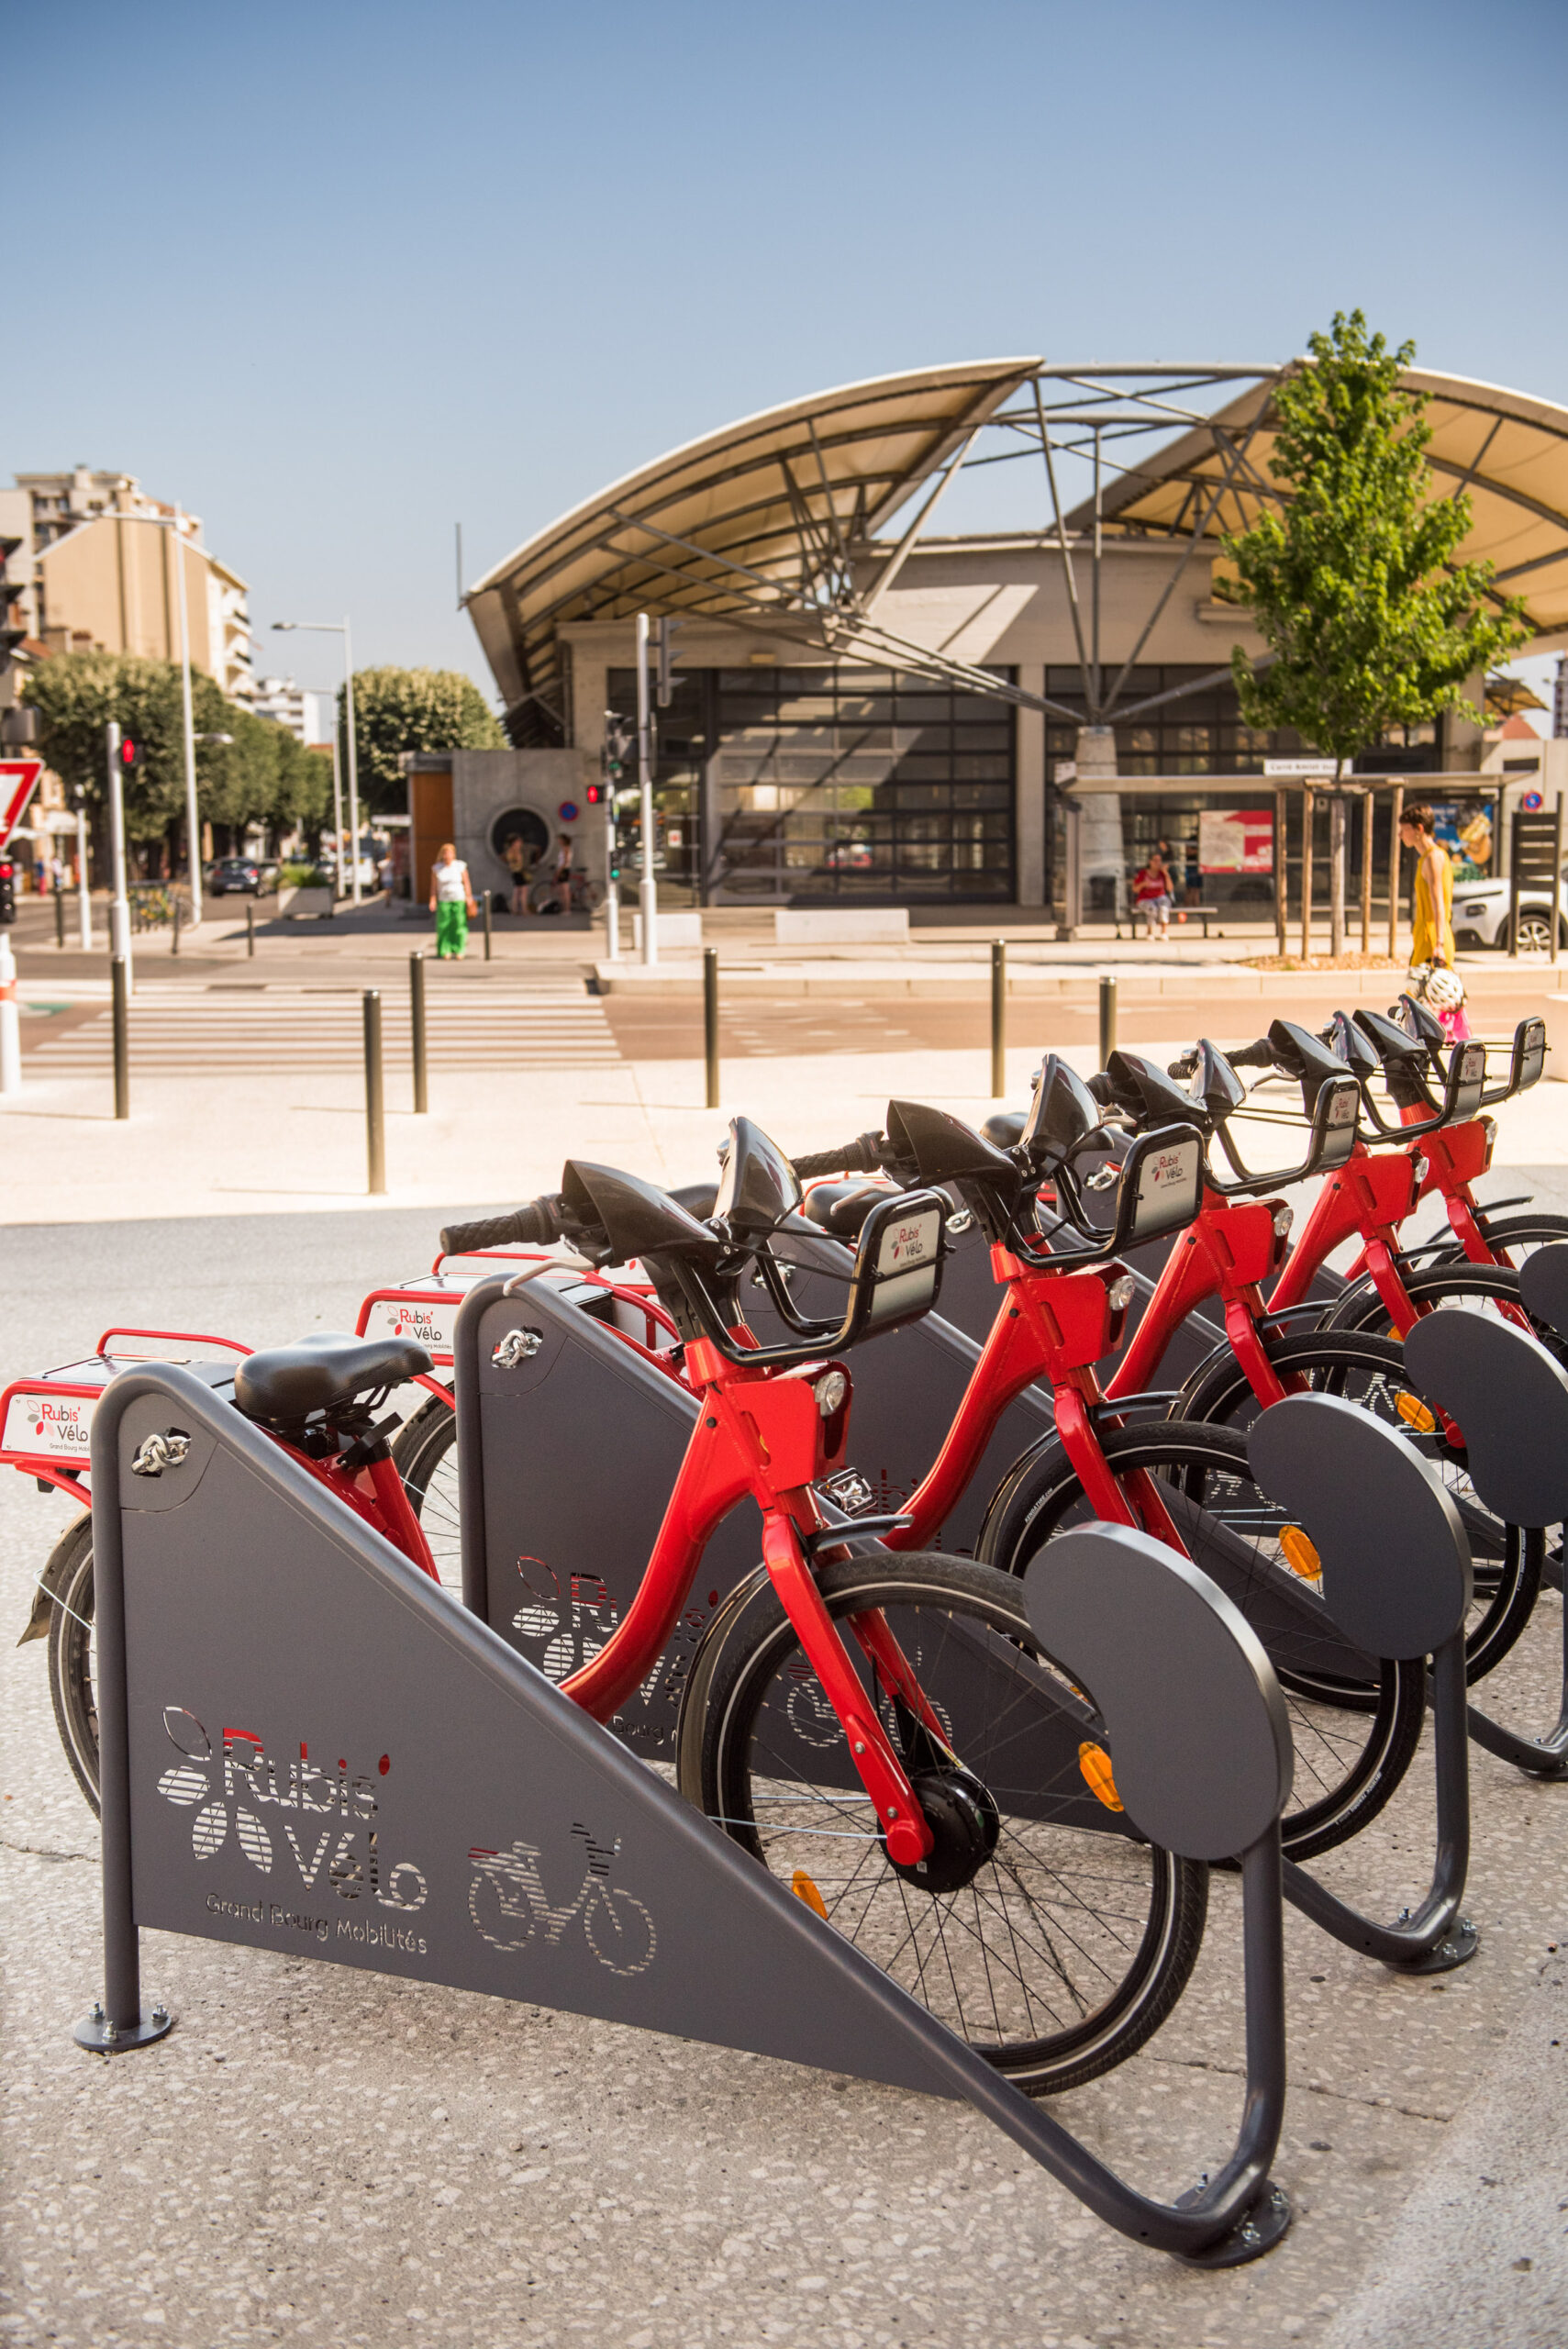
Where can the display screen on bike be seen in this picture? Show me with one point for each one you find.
(908, 1253)
(1161, 1185)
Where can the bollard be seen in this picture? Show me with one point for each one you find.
(58, 896)
(118, 976)
(998, 1018)
(174, 946)
(710, 1020)
(375, 1107)
(487, 925)
(10, 1020)
(1107, 1020)
(251, 930)
(417, 1031)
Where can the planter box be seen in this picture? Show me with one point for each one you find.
(306, 905)
(828, 926)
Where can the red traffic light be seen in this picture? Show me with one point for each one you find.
(131, 753)
(596, 795)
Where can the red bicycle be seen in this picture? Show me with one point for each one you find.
(322, 1400)
(881, 1731)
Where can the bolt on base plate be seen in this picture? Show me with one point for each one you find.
(1457, 1948)
(1257, 2232)
(102, 2037)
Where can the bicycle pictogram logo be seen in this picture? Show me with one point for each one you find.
(510, 1906)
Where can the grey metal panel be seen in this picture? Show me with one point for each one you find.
(1199, 1739)
(573, 1455)
(1510, 1395)
(1397, 1569)
(1543, 1286)
(330, 1758)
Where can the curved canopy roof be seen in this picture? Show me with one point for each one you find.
(752, 525)
(772, 524)
(1506, 453)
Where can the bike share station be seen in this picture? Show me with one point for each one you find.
(307, 1746)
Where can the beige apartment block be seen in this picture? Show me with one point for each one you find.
(103, 563)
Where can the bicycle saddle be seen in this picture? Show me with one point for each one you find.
(323, 1372)
(842, 1207)
(1004, 1128)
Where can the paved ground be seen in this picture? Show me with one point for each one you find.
(315, 2157)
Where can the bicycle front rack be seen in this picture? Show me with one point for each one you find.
(307, 1745)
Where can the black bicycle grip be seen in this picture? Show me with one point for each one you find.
(1258, 1055)
(538, 1222)
(1184, 1065)
(861, 1156)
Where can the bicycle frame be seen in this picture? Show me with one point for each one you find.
(1229, 1251)
(766, 1433)
(67, 1406)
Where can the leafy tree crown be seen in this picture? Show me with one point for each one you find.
(1352, 579)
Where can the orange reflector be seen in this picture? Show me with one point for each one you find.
(1415, 1414)
(800, 1884)
(1299, 1554)
(1095, 1765)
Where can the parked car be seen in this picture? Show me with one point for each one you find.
(236, 876)
(1483, 914)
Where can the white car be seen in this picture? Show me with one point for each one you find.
(1482, 912)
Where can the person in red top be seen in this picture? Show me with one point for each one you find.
(1154, 892)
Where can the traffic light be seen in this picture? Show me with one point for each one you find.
(621, 747)
(131, 754)
(8, 890)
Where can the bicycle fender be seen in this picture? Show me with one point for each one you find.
(45, 1593)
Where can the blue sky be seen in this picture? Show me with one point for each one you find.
(337, 276)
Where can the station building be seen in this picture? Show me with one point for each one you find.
(856, 709)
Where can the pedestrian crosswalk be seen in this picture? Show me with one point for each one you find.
(233, 1028)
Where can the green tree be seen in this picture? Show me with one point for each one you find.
(413, 709)
(1352, 579)
(262, 775)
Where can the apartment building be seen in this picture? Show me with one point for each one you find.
(99, 560)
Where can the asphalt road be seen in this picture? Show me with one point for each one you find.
(320, 2157)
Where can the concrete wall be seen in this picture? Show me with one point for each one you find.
(485, 783)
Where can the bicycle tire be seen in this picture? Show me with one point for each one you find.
(424, 1454)
(1354, 1739)
(72, 1686)
(1073, 1939)
(1368, 1369)
(1362, 1308)
(1504, 1231)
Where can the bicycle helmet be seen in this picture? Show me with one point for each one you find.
(1443, 988)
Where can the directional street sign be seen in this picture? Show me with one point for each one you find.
(18, 781)
(1310, 768)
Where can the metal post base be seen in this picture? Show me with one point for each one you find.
(102, 2037)
(1257, 2232)
(1457, 1948)
(1539, 1757)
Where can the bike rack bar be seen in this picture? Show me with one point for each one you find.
(1396, 1579)
(1510, 1395)
(246, 1615)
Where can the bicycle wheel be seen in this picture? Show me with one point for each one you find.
(72, 1683)
(1514, 1237)
(1355, 1721)
(1055, 1940)
(425, 1455)
(1369, 1370)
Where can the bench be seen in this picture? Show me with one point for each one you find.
(1180, 914)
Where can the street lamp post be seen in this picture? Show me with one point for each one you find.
(176, 523)
(340, 627)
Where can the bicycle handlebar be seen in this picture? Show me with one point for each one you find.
(861, 1156)
(538, 1222)
(1258, 1055)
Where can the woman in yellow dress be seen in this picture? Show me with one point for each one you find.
(1432, 899)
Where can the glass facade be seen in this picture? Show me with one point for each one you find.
(827, 786)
